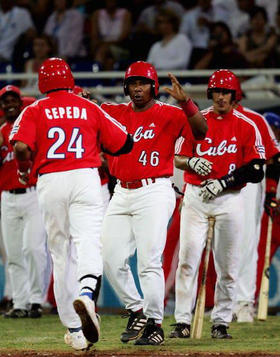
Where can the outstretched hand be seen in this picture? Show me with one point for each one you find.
(177, 91)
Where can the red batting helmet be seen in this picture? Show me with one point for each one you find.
(142, 69)
(224, 79)
(55, 74)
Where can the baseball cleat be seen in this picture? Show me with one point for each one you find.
(85, 308)
(16, 314)
(181, 330)
(35, 311)
(152, 335)
(77, 340)
(136, 324)
(220, 332)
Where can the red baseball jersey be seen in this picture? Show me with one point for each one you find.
(8, 169)
(155, 132)
(65, 132)
(271, 144)
(232, 140)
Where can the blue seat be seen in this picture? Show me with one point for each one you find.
(82, 65)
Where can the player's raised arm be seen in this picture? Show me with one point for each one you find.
(196, 119)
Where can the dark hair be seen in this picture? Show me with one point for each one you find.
(224, 27)
(171, 17)
(256, 10)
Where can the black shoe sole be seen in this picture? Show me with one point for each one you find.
(126, 340)
(88, 327)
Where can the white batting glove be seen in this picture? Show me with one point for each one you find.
(200, 165)
(211, 188)
(23, 177)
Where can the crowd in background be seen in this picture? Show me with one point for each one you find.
(171, 34)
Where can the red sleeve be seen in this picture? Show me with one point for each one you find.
(269, 140)
(112, 134)
(253, 147)
(24, 129)
(186, 143)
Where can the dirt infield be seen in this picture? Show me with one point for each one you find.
(141, 354)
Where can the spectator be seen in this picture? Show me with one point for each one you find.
(43, 47)
(196, 25)
(222, 52)
(66, 26)
(109, 33)
(146, 32)
(174, 49)
(258, 43)
(14, 23)
(239, 22)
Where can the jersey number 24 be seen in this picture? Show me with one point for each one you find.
(75, 144)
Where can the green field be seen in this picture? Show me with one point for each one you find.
(46, 335)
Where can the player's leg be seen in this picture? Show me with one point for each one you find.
(152, 208)
(53, 194)
(12, 229)
(35, 250)
(226, 250)
(118, 246)
(194, 225)
(246, 283)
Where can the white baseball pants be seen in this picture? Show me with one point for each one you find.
(25, 243)
(72, 207)
(138, 219)
(228, 211)
(253, 196)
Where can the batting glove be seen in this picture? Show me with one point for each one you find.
(201, 166)
(23, 177)
(211, 189)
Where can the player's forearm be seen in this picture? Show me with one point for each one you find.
(196, 119)
(181, 162)
(22, 151)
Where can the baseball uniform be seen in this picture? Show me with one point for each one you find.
(232, 141)
(142, 204)
(23, 231)
(64, 131)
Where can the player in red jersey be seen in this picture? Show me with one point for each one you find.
(62, 134)
(233, 144)
(255, 195)
(22, 226)
(273, 120)
(144, 200)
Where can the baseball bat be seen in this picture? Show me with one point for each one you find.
(264, 292)
(200, 302)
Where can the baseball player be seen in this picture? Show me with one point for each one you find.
(234, 147)
(255, 195)
(22, 226)
(143, 199)
(62, 134)
(272, 210)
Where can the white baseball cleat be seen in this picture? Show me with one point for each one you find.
(85, 308)
(77, 340)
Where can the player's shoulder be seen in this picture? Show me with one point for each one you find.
(207, 111)
(4, 127)
(167, 108)
(115, 107)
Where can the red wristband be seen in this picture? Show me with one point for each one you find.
(189, 108)
(24, 166)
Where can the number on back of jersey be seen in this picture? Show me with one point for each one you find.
(75, 143)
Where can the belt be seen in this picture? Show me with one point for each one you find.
(17, 191)
(137, 183)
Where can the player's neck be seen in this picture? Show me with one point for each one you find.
(141, 108)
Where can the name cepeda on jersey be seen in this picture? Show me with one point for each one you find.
(66, 113)
(219, 150)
